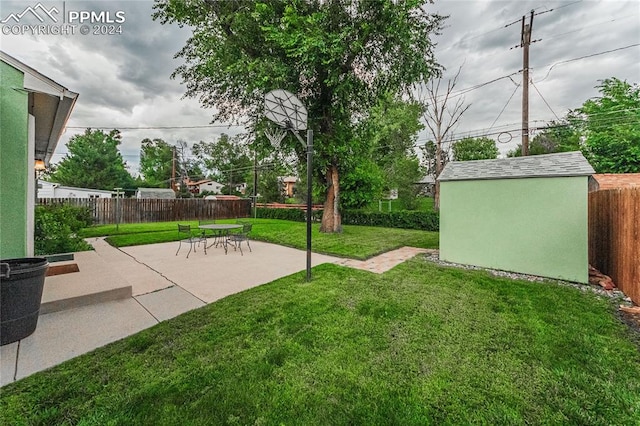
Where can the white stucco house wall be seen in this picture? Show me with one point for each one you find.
(210, 186)
(155, 193)
(55, 190)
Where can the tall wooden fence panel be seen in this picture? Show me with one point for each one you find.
(133, 210)
(614, 237)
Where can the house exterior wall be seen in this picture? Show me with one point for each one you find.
(534, 226)
(54, 190)
(213, 187)
(14, 167)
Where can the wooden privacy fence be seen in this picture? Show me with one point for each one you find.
(133, 210)
(614, 237)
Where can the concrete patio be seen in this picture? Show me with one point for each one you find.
(119, 292)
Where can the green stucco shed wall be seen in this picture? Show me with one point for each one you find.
(535, 226)
(13, 163)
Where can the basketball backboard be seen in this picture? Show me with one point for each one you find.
(285, 109)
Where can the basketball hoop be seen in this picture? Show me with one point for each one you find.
(285, 109)
(275, 136)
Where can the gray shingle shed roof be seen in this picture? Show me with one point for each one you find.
(548, 165)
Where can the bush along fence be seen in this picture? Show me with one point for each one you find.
(106, 211)
(424, 221)
(614, 237)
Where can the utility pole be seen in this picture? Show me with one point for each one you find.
(173, 170)
(525, 41)
(255, 183)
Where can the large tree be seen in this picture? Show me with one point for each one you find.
(558, 136)
(339, 57)
(93, 161)
(386, 138)
(611, 126)
(157, 162)
(226, 160)
(481, 148)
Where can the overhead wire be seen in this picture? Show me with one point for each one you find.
(551, 37)
(505, 105)
(587, 56)
(543, 99)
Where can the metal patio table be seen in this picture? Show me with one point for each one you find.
(222, 232)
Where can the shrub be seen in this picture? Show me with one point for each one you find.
(424, 221)
(57, 226)
(296, 215)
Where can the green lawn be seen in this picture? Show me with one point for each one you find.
(359, 242)
(420, 344)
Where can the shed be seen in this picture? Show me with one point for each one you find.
(522, 214)
(155, 193)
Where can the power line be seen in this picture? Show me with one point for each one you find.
(587, 26)
(544, 100)
(157, 127)
(505, 106)
(587, 56)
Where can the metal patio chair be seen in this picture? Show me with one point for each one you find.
(237, 238)
(187, 237)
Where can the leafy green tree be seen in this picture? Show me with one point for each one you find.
(388, 136)
(156, 163)
(558, 136)
(93, 161)
(361, 185)
(611, 125)
(429, 157)
(227, 161)
(482, 148)
(340, 57)
(270, 186)
(404, 174)
(391, 129)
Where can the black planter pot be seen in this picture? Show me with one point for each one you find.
(21, 284)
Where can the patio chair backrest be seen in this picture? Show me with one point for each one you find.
(184, 229)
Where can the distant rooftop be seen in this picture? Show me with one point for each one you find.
(562, 164)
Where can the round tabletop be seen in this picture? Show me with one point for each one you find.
(220, 226)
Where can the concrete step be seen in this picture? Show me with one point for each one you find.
(95, 282)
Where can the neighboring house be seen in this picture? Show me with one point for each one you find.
(427, 185)
(210, 186)
(289, 185)
(222, 197)
(522, 214)
(614, 181)
(155, 193)
(241, 188)
(34, 111)
(55, 190)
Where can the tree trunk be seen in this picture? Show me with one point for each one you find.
(436, 193)
(331, 219)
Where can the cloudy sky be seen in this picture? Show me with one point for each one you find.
(124, 79)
